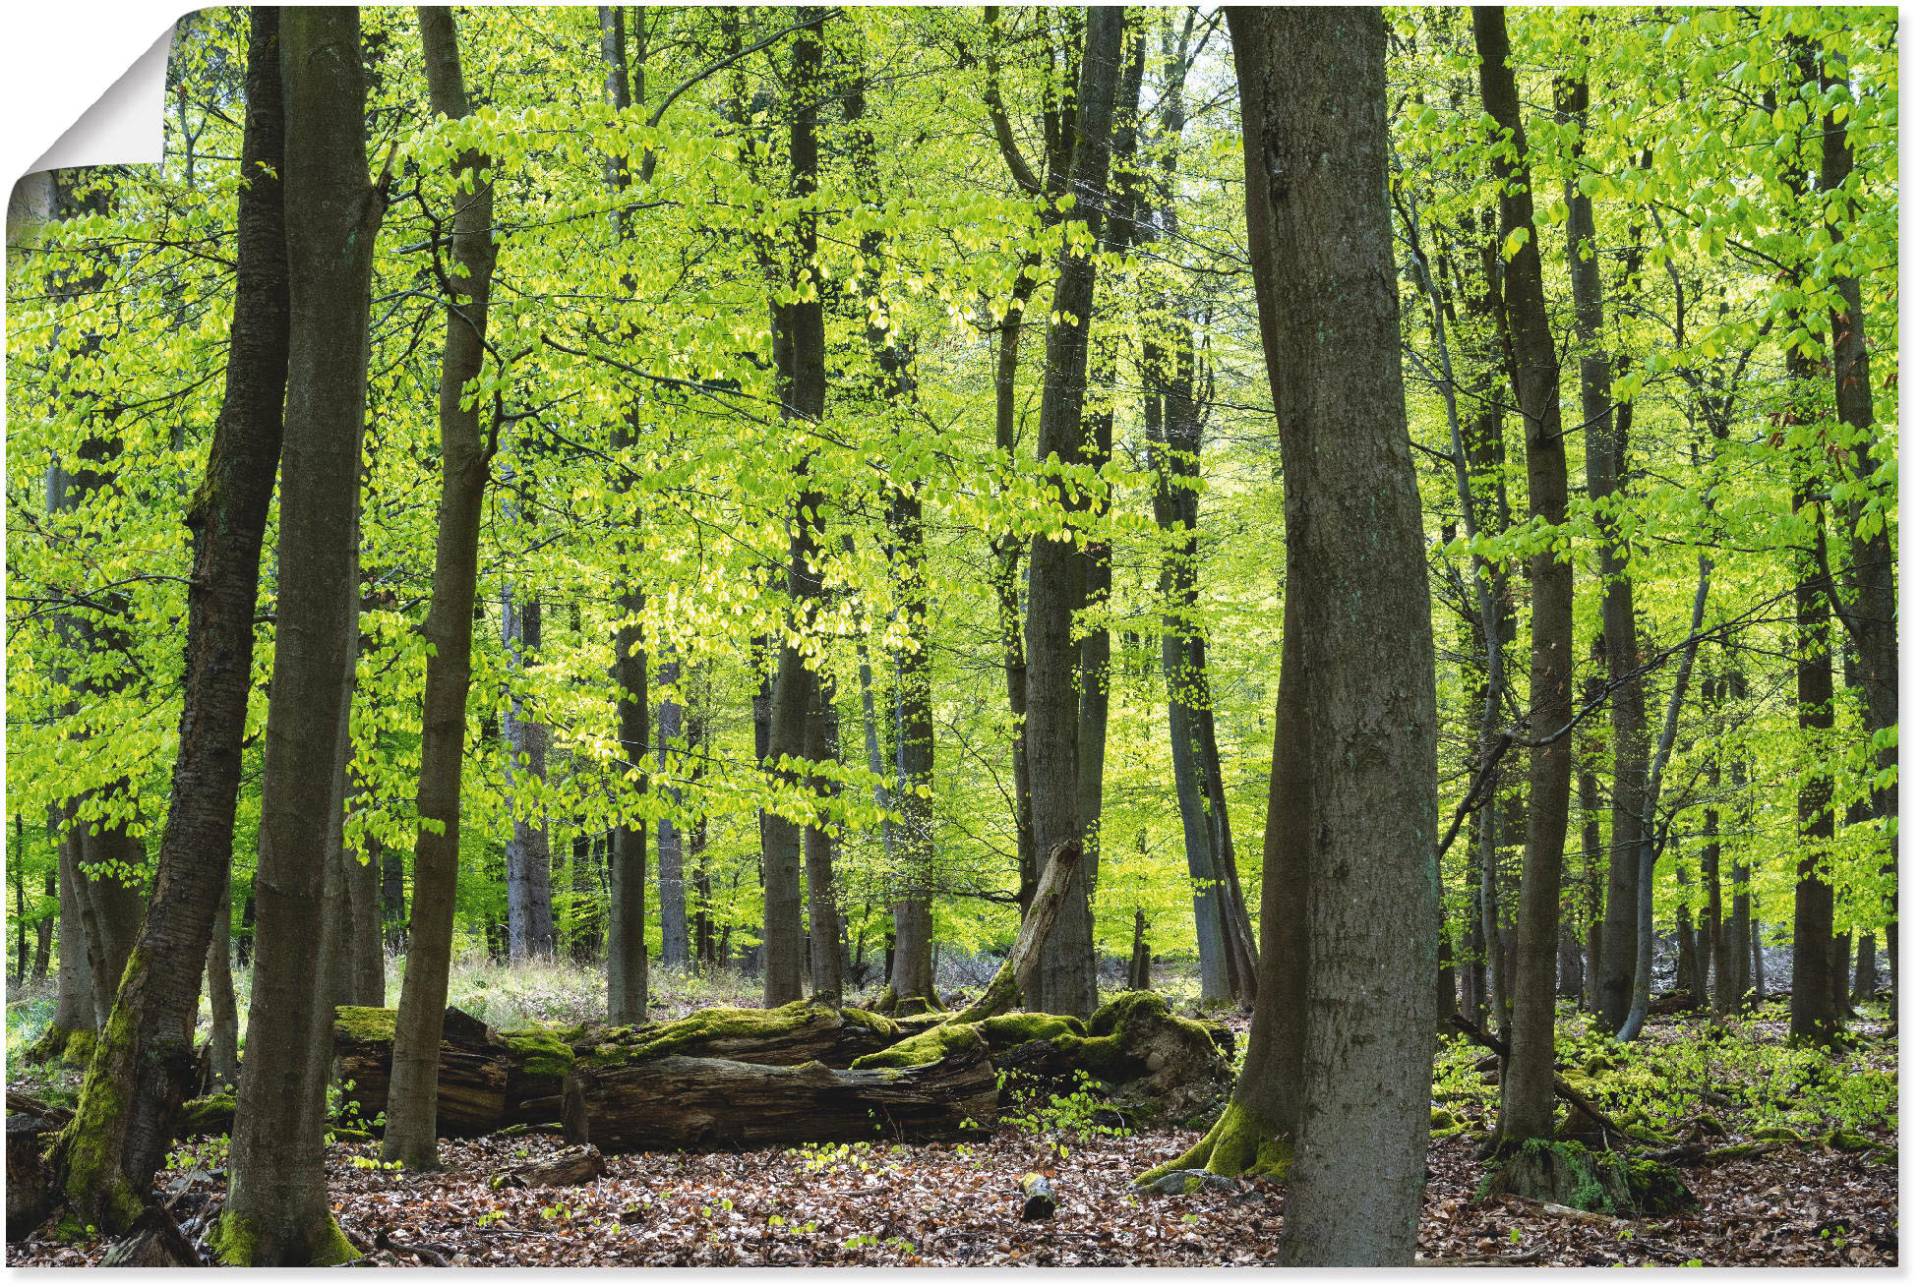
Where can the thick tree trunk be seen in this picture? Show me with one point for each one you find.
(466, 455)
(276, 1212)
(1342, 1040)
(1526, 1110)
(1056, 576)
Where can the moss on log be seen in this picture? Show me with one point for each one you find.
(473, 1067)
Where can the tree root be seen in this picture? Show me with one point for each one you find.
(1238, 1144)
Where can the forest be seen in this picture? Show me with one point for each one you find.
(809, 635)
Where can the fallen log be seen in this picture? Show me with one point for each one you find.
(1036, 1192)
(677, 1101)
(473, 1068)
(29, 1188)
(798, 1033)
(564, 1169)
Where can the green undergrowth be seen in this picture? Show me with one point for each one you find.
(1690, 1078)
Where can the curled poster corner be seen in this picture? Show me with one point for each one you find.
(124, 125)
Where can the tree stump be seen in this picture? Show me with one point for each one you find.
(154, 1242)
(29, 1188)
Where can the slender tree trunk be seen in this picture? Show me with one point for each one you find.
(223, 1035)
(673, 880)
(43, 931)
(1606, 457)
(1056, 571)
(466, 456)
(627, 846)
(800, 344)
(393, 897)
(1813, 1015)
(276, 1212)
(1526, 1110)
(529, 847)
(823, 898)
(1869, 611)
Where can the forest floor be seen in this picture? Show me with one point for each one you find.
(1816, 1184)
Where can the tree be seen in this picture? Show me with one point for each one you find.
(1526, 1089)
(1341, 1045)
(466, 456)
(1056, 576)
(143, 1067)
(276, 1211)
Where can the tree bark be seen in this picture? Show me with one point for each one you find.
(1526, 1110)
(466, 456)
(627, 846)
(529, 848)
(1342, 1039)
(823, 895)
(1056, 576)
(276, 1212)
(673, 879)
(1812, 1015)
(800, 350)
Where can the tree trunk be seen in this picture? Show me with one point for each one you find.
(466, 455)
(627, 845)
(1342, 1040)
(1869, 610)
(823, 897)
(529, 849)
(912, 973)
(223, 1034)
(673, 880)
(1056, 576)
(800, 352)
(276, 1212)
(43, 931)
(1526, 1108)
(1813, 1016)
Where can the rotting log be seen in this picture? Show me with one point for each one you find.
(679, 1101)
(797, 1033)
(1153, 1064)
(154, 1242)
(564, 1169)
(29, 1187)
(473, 1067)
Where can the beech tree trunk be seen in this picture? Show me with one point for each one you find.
(1056, 575)
(1526, 1110)
(800, 356)
(466, 456)
(627, 845)
(824, 964)
(1812, 1013)
(529, 849)
(1342, 1040)
(276, 1212)
(673, 879)
(143, 1067)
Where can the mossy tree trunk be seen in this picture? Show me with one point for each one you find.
(276, 1212)
(144, 1066)
(466, 453)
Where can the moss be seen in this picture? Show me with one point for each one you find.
(369, 1024)
(236, 1242)
(540, 1052)
(207, 1115)
(1657, 1188)
(1104, 1057)
(1783, 1134)
(1118, 1014)
(1847, 1141)
(927, 1047)
(1444, 1123)
(719, 1023)
(878, 1024)
(1240, 1143)
(1004, 1030)
(88, 1150)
